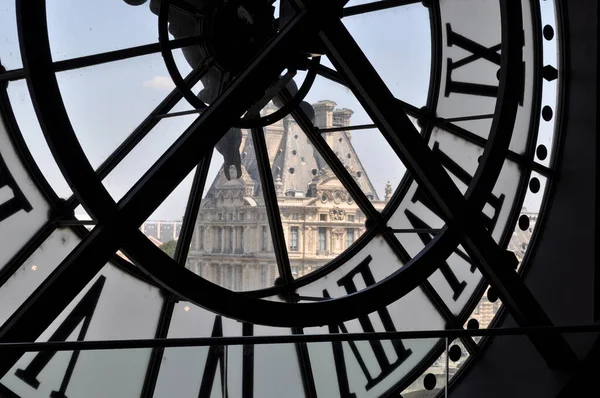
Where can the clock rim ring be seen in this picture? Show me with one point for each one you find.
(408, 265)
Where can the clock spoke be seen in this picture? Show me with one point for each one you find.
(272, 207)
(319, 143)
(346, 128)
(156, 357)
(176, 162)
(280, 247)
(143, 129)
(376, 6)
(463, 118)
(180, 256)
(335, 76)
(395, 126)
(102, 58)
(429, 291)
(191, 211)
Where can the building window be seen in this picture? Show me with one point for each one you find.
(264, 275)
(265, 237)
(350, 217)
(220, 216)
(322, 238)
(294, 239)
(230, 241)
(216, 272)
(241, 240)
(322, 217)
(201, 239)
(349, 237)
(239, 278)
(229, 279)
(219, 239)
(241, 216)
(295, 216)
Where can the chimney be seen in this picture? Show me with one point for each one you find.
(324, 113)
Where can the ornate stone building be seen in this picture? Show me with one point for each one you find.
(232, 243)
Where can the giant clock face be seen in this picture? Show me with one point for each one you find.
(318, 169)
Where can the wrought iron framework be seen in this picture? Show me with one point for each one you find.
(117, 222)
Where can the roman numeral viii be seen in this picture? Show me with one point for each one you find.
(385, 366)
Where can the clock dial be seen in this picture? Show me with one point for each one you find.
(323, 175)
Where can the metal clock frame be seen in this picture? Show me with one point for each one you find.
(64, 210)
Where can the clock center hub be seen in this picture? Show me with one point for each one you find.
(237, 31)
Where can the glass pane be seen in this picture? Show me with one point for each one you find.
(364, 152)
(189, 320)
(164, 225)
(105, 103)
(278, 371)
(10, 54)
(326, 92)
(232, 244)
(388, 39)
(126, 307)
(95, 374)
(385, 170)
(266, 370)
(270, 368)
(183, 369)
(114, 306)
(145, 154)
(35, 270)
(23, 209)
(31, 132)
(79, 28)
(312, 200)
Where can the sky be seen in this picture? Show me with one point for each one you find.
(106, 102)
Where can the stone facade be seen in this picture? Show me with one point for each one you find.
(232, 244)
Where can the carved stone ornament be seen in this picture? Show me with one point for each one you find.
(337, 214)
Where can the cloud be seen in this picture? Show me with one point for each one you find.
(159, 83)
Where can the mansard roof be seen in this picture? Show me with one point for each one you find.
(297, 168)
